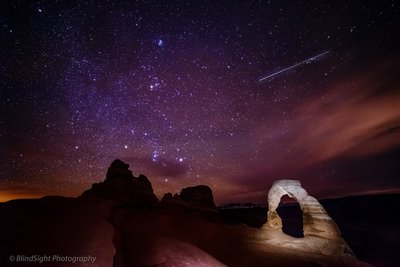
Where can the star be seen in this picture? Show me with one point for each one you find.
(160, 42)
(178, 91)
(154, 156)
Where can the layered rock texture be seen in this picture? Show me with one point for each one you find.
(320, 232)
(316, 220)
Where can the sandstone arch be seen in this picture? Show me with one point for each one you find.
(316, 221)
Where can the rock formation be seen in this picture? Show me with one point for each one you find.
(193, 200)
(321, 234)
(56, 226)
(118, 168)
(316, 221)
(200, 195)
(167, 196)
(120, 185)
(108, 222)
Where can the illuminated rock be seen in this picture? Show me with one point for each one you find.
(321, 234)
(316, 221)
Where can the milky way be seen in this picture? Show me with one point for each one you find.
(171, 87)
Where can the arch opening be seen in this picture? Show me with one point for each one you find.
(292, 216)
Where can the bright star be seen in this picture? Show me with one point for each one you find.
(154, 156)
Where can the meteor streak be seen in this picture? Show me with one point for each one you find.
(308, 60)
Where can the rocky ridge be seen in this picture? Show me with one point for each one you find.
(122, 223)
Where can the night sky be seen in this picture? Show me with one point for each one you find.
(173, 88)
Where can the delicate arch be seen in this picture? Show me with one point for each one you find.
(316, 221)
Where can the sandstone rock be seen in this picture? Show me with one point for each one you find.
(167, 196)
(196, 200)
(321, 234)
(200, 195)
(120, 185)
(56, 226)
(145, 183)
(161, 251)
(118, 168)
(316, 221)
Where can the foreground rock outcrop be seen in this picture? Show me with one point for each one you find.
(36, 230)
(121, 222)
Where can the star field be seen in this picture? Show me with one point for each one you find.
(172, 88)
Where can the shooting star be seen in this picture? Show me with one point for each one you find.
(308, 60)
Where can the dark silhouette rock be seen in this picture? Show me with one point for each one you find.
(120, 185)
(167, 196)
(200, 195)
(118, 168)
(145, 183)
